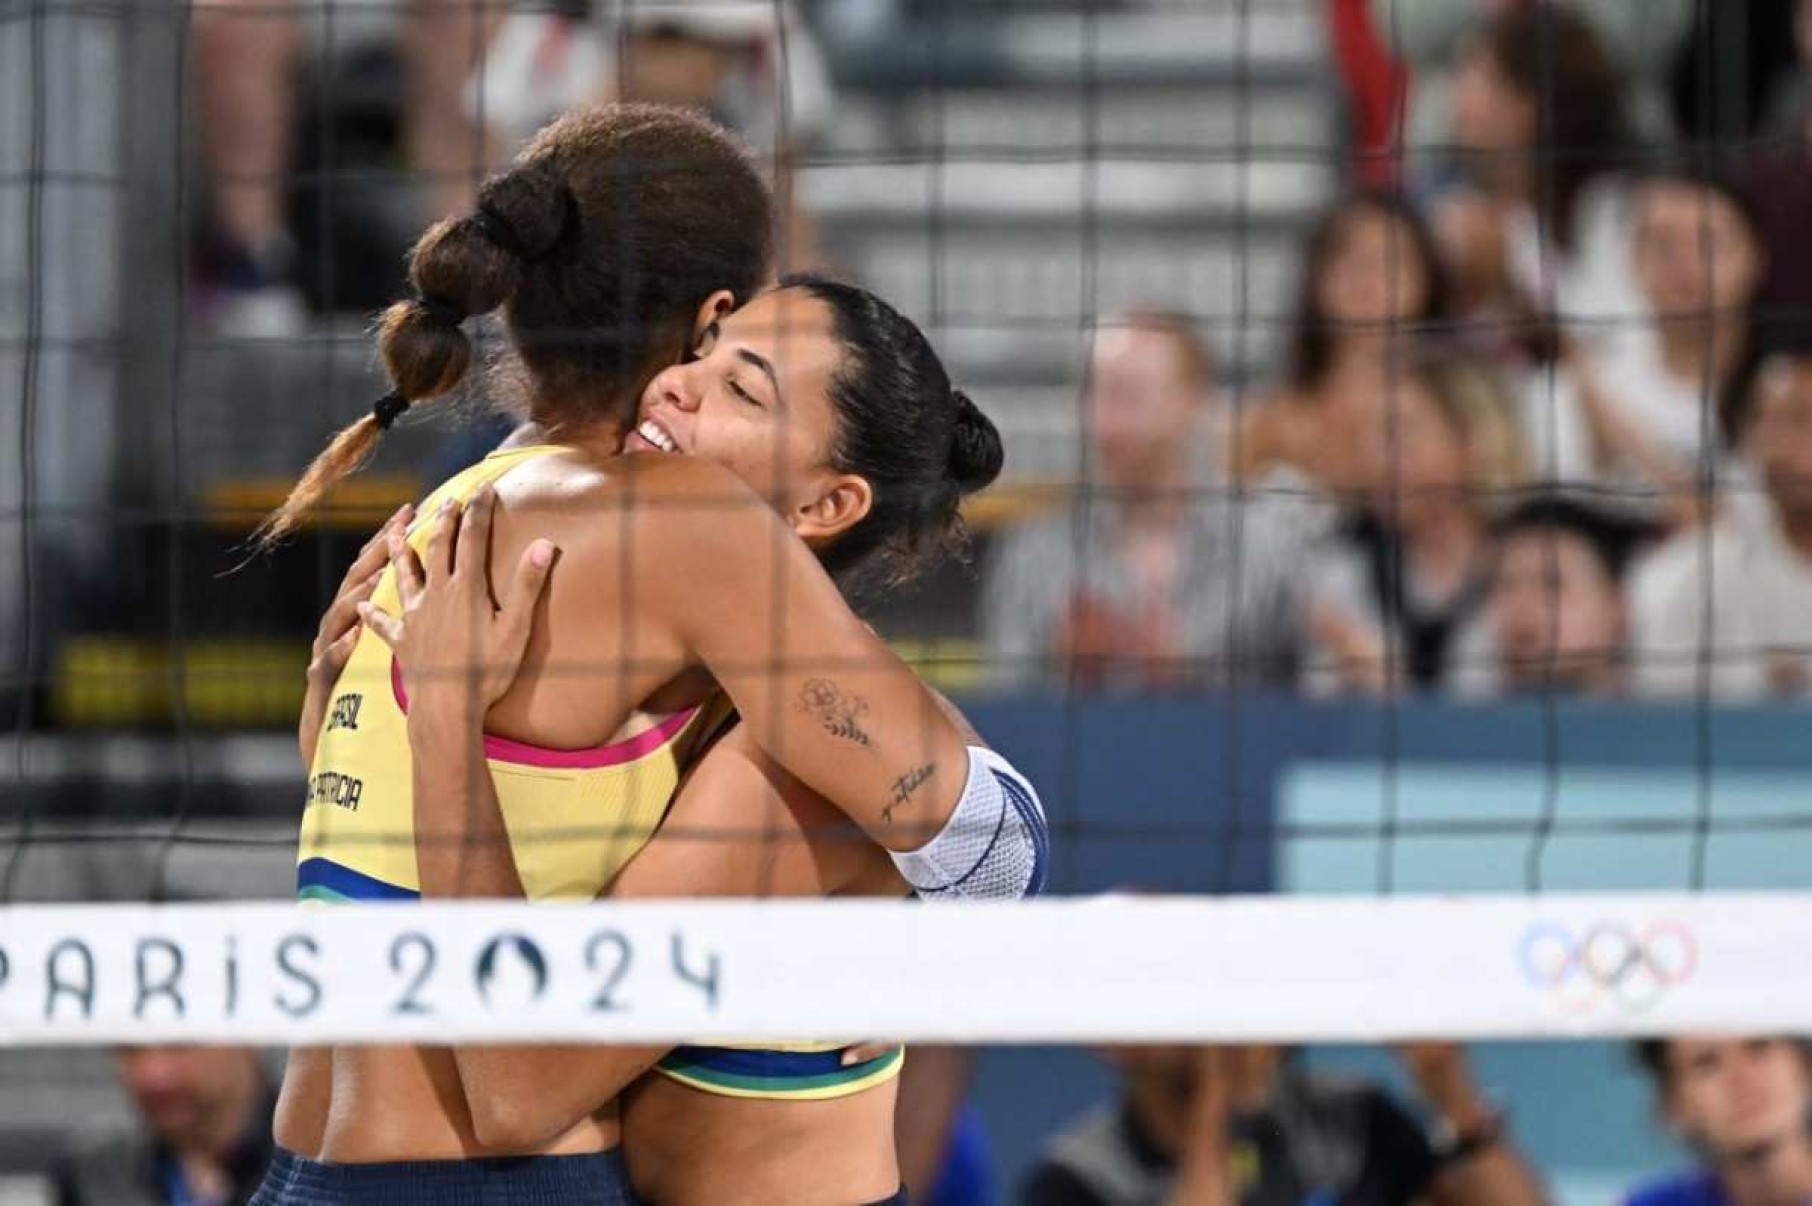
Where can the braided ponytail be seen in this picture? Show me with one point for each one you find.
(460, 267)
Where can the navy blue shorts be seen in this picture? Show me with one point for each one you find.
(597, 1179)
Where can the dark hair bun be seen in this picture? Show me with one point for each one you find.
(976, 455)
(525, 210)
(456, 271)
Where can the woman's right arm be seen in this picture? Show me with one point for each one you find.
(339, 631)
(820, 693)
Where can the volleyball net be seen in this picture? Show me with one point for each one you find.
(1110, 969)
(1342, 867)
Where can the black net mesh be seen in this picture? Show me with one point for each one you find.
(1403, 406)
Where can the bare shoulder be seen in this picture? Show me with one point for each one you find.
(568, 478)
(601, 643)
(693, 509)
(597, 505)
(692, 480)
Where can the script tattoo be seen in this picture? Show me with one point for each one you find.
(904, 786)
(840, 714)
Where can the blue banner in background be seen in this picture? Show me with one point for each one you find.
(1263, 793)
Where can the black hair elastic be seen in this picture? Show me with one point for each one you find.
(443, 313)
(388, 409)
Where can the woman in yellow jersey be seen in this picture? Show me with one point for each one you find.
(639, 537)
(572, 236)
(801, 1125)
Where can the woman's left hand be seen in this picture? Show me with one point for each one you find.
(459, 653)
(339, 630)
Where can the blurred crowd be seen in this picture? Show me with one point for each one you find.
(467, 85)
(1202, 1126)
(1542, 420)
(1541, 423)
(1544, 417)
(1217, 1125)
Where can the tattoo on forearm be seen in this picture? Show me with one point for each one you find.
(839, 714)
(904, 786)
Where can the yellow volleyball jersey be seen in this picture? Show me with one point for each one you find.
(574, 817)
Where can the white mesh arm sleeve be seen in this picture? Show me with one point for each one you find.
(995, 845)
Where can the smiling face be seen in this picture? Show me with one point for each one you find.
(755, 397)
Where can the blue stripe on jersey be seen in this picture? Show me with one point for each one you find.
(1033, 818)
(1000, 823)
(756, 1063)
(323, 877)
(1014, 794)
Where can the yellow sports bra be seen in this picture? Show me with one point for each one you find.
(575, 817)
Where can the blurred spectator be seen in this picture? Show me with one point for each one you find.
(1156, 578)
(249, 57)
(942, 1141)
(1539, 228)
(1744, 582)
(1216, 1126)
(1556, 603)
(755, 68)
(1643, 415)
(1401, 593)
(205, 1138)
(1743, 1105)
(1423, 38)
(1370, 280)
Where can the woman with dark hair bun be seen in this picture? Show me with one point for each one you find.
(809, 439)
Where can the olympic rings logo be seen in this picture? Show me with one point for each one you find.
(1630, 968)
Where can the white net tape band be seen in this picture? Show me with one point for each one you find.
(1107, 969)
